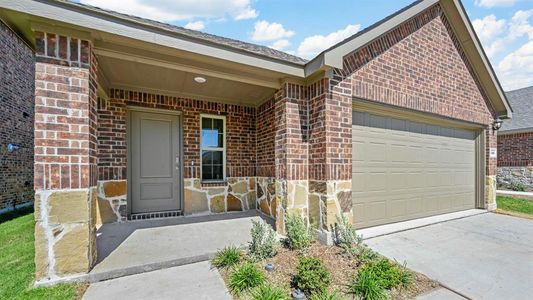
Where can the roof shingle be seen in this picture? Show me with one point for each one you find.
(522, 103)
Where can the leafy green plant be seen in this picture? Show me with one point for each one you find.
(346, 237)
(366, 255)
(298, 235)
(367, 286)
(245, 277)
(265, 242)
(312, 276)
(227, 257)
(326, 295)
(374, 279)
(518, 187)
(268, 292)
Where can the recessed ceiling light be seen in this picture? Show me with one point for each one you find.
(200, 79)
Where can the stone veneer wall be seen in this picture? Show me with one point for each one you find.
(509, 175)
(515, 159)
(65, 157)
(17, 71)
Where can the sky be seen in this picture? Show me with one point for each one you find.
(306, 27)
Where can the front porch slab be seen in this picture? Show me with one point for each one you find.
(141, 246)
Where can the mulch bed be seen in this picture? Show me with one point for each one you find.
(340, 267)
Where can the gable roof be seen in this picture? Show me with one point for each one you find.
(249, 47)
(522, 102)
(144, 30)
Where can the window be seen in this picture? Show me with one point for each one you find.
(213, 147)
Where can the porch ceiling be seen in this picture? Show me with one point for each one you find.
(165, 79)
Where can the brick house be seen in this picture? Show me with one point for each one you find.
(137, 119)
(515, 142)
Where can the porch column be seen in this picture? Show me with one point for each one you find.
(291, 153)
(491, 166)
(330, 152)
(65, 156)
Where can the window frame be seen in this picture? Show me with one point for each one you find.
(223, 149)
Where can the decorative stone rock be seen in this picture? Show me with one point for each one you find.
(274, 206)
(232, 180)
(71, 251)
(264, 207)
(234, 204)
(300, 195)
(252, 183)
(115, 188)
(105, 214)
(194, 201)
(215, 191)
(332, 212)
(280, 221)
(271, 188)
(344, 185)
(260, 192)
(218, 204)
(41, 252)
(314, 210)
(252, 200)
(317, 186)
(240, 187)
(68, 207)
(345, 201)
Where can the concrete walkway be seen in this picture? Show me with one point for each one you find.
(142, 246)
(487, 256)
(528, 195)
(194, 281)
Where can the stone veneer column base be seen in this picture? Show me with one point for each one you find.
(490, 192)
(65, 233)
(111, 201)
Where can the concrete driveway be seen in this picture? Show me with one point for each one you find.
(487, 256)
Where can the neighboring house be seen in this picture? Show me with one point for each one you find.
(16, 121)
(515, 141)
(137, 119)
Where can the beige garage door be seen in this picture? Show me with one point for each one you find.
(404, 170)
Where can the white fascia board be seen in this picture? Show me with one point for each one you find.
(141, 32)
(509, 112)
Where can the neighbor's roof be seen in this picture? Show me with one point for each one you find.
(249, 47)
(522, 103)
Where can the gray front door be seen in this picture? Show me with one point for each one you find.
(154, 162)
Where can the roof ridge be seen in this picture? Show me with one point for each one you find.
(196, 34)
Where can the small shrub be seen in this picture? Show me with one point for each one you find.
(311, 275)
(374, 279)
(367, 286)
(366, 255)
(227, 257)
(346, 237)
(245, 277)
(518, 187)
(298, 235)
(268, 292)
(265, 242)
(325, 295)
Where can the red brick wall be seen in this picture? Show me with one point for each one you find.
(240, 135)
(16, 115)
(420, 65)
(65, 119)
(515, 150)
(265, 144)
(291, 132)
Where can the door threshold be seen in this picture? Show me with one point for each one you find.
(376, 231)
(155, 215)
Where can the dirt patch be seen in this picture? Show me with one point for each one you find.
(513, 214)
(341, 268)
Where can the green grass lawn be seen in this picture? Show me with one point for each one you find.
(518, 205)
(16, 262)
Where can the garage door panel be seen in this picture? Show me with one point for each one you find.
(404, 170)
